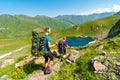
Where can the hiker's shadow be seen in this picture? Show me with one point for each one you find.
(32, 66)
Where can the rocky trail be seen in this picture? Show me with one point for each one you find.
(39, 75)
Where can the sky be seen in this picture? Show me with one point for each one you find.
(54, 8)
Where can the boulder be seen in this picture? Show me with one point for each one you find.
(117, 67)
(104, 53)
(74, 55)
(57, 66)
(100, 47)
(27, 60)
(98, 58)
(98, 66)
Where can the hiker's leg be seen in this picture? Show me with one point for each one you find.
(51, 58)
(64, 51)
(46, 60)
(61, 57)
(50, 63)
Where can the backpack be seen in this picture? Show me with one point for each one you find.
(61, 46)
(37, 42)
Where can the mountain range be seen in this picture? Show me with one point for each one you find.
(22, 25)
(78, 19)
(105, 51)
(98, 28)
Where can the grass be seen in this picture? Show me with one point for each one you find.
(21, 25)
(83, 69)
(7, 45)
(17, 57)
(91, 28)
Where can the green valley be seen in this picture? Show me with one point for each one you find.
(98, 28)
(21, 25)
(17, 33)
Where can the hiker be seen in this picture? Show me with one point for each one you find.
(62, 44)
(47, 45)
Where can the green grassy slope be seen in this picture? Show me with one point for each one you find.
(21, 25)
(18, 56)
(83, 68)
(7, 45)
(91, 28)
(52, 22)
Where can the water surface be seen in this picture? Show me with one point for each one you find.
(78, 41)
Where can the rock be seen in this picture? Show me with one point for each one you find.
(97, 58)
(98, 66)
(73, 55)
(37, 76)
(118, 65)
(104, 53)
(115, 29)
(42, 76)
(39, 60)
(7, 62)
(100, 47)
(108, 64)
(57, 66)
(25, 61)
(68, 61)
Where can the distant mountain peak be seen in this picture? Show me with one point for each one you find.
(78, 19)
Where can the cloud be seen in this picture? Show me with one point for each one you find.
(115, 8)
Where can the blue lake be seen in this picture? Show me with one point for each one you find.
(78, 41)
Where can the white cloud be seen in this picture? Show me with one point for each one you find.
(115, 8)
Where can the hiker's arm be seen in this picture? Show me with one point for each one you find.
(50, 45)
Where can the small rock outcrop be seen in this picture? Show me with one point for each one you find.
(25, 61)
(106, 66)
(55, 68)
(115, 29)
(98, 66)
(74, 55)
(100, 47)
(42, 76)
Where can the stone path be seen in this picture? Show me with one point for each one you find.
(55, 68)
(42, 76)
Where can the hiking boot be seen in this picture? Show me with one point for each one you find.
(47, 70)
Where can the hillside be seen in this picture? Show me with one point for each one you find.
(115, 29)
(78, 19)
(21, 25)
(118, 13)
(98, 28)
(99, 61)
(83, 68)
